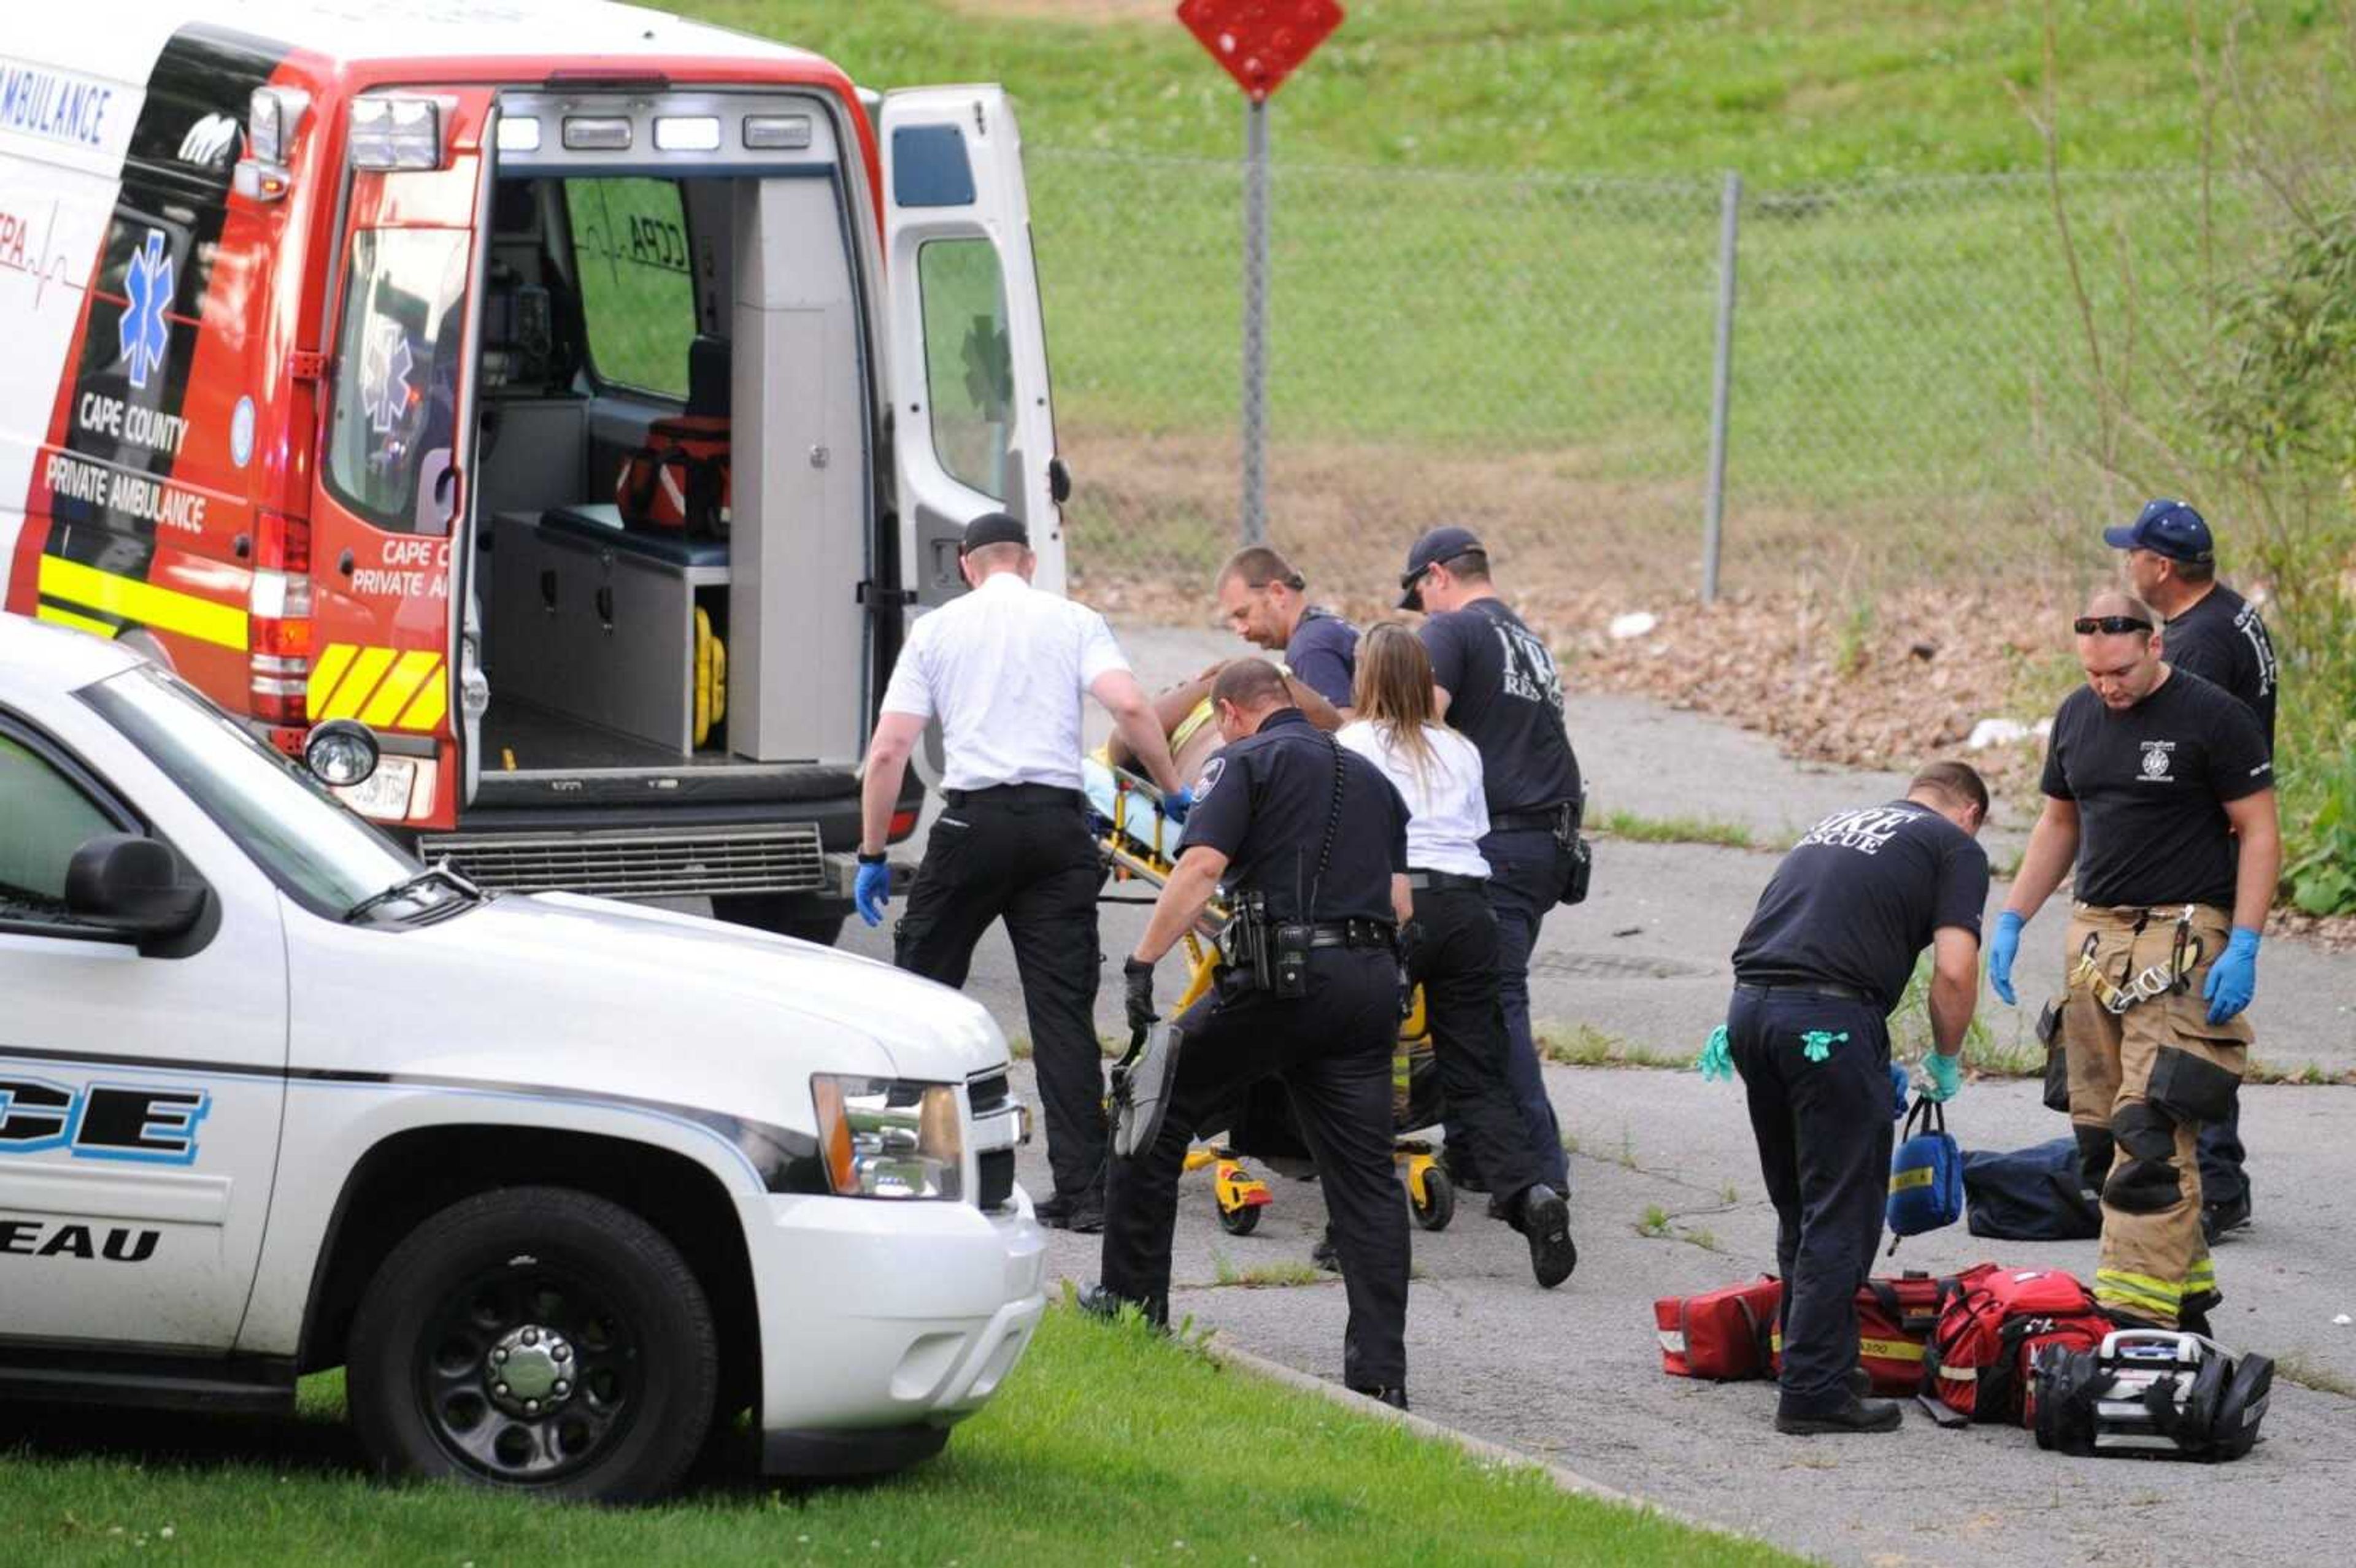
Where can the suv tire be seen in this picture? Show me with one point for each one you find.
(535, 1339)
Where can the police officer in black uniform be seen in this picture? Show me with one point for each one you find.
(2211, 632)
(1287, 821)
(1828, 953)
(1497, 686)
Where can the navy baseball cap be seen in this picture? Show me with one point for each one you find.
(2166, 528)
(993, 527)
(1436, 546)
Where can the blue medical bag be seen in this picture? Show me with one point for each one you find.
(1926, 1174)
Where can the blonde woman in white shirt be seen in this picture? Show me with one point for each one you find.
(1451, 944)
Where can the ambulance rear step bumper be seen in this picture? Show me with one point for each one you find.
(784, 858)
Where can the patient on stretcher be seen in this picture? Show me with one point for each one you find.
(1184, 710)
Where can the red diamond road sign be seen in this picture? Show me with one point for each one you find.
(1259, 42)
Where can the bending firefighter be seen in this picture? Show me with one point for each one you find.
(1818, 971)
(2161, 792)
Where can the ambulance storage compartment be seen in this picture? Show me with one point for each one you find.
(602, 627)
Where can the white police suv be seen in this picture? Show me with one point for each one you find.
(561, 1182)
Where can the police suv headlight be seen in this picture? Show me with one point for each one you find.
(884, 1138)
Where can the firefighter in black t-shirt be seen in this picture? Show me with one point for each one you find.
(1816, 974)
(2209, 631)
(2159, 789)
(1497, 686)
(1285, 817)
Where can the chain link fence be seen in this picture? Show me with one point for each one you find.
(1532, 355)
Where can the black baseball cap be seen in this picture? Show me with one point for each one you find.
(993, 527)
(1436, 546)
(2166, 528)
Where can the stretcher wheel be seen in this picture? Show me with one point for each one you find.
(1439, 1205)
(1240, 1221)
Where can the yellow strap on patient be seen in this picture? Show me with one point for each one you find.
(1190, 726)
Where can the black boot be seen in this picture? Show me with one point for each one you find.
(1394, 1397)
(1544, 1220)
(1857, 1415)
(2228, 1214)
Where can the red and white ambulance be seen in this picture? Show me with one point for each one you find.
(581, 398)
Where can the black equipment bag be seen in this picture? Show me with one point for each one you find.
(2037, 1194)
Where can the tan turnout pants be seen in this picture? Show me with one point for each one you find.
(2141, 1083)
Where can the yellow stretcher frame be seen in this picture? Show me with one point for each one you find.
(1137, 847)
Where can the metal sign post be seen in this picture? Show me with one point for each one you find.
(1259, 43)
(1255, 499)
(1721, 386)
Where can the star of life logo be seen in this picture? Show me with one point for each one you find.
(2155, 759)
(144, 335)
(384, 383)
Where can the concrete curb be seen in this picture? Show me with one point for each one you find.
(1423, 1426)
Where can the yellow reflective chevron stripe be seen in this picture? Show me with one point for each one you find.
(78, 622)
(326, 671)
(2203, 1277)
(409, 672)
(343, 702)
(384, 688)
(425, 713)
(164, 609)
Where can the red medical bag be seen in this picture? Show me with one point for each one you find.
(1977, 1361)
(1721, 1334)
(1894, 1320)
(678, 482)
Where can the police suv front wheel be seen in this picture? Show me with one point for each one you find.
(535, 1339)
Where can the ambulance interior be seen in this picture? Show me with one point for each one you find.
(615, 640)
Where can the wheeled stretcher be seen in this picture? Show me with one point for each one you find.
(1141, 844)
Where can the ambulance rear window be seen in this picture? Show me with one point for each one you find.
(638, 293)
(396, 391)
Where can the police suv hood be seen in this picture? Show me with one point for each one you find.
(583, 987)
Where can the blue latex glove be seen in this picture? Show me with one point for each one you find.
(2233, 979)
(1177, 804)
(1898, 1087)
(1717, 1058)
(1945, 1073)
(872, 892)
(2002, 949)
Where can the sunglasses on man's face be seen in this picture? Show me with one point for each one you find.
(2109, 626)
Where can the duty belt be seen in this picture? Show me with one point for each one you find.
(1014, 795)
(1807, 987)
(2157, 980)
(1442, 881)
(1549, 818)
(1353, 933)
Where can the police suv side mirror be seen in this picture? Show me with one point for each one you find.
(136, 886)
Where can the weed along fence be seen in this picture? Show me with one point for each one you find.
(1533, 355)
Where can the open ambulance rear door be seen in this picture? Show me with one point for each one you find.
(974, 428)
(398, 419)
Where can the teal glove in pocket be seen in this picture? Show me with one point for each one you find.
(1717, 1058)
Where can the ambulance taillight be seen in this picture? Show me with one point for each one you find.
(278, 620)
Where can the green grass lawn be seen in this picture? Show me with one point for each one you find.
(1108, 1446)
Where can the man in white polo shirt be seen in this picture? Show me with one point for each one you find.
(1004, 668)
